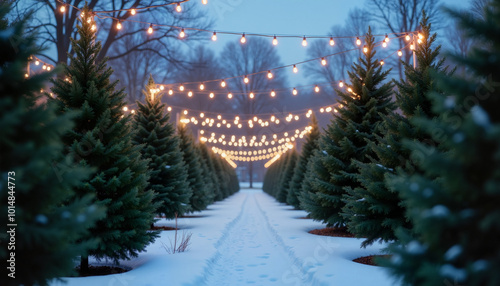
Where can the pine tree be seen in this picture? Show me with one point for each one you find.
(160, 145)
(208, 159)
(456, 218)
(102, 139)
(202, 196)
(287, 176)
(380, 211)
(206, 173)
(366, 99)
(48, 227)
(309, 146)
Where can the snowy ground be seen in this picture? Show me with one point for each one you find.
(248, 238)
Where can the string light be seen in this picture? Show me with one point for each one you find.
(341, 84)
(170, 92)
(223, 83)
(178, 8)
(246, 80)
(407, 37)
(119, 25)
(181, 88)
(251, 95)
(365, 49)
(62, 8)
(358, 41)
(323, 61)
(243, 39)
(400, 53)
(132, 12)
(229, 95)
(386, 39)
(304, 42)
(269, 75)
(412, 46)
(37, 62)
(125, 108)
(275, 41)
(316, 88)
(382, 62)
(214, 37)
(182, 34)
(273, 93)
(294, 91)
(190, 94)
(211, 95)
(150, 29)
(332, 42)
(202, 86)
(204, 2)
(295, 69)
(384, 44)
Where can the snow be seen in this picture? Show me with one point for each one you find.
(249, 238)
(453, 252)
(480, 116)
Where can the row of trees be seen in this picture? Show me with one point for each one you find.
(424, 177)
(85, 178)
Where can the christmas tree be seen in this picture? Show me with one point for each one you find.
(160, 145)
(284, 186)
(102, 139)
(364, 102)
(456, 218)
(45, 228)
(380, 211)
(202, 195)
(209, 161)
(309, 146)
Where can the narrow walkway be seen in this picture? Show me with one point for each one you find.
(252, 252)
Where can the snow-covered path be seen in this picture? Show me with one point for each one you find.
(247, 239)
(251, 252)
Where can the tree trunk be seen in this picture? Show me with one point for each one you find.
(84, 265)
(250, 173)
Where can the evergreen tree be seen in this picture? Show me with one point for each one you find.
(456, 218)
(380, 211)
(366, 99)
(102, 139)
(206, 173)
(202, 196)
(284, 186)
(205, 153)
(161, 146)
(48, 227)
(309, 146)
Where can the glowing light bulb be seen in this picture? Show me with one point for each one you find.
(185, 112)
(332, 42)
(132, 12)
(400, 53)
(223, 83)
(211, 95)
(407, 37)
(202, 86)
(384, 44)
(419, 41)
(304, 42)
(273, 93)
(119, 25)
(252, 95)
(37, 62)
(49, 68)
(125, 108)
(245, 79)
(132, 111)
(190, 94)
(204, 2)
(243, 39)
(386, 39)
(93, 28)
(341, 84)
(365, 49)
(358, 41)
(62, 8)
(170, 92)
(323, 61)
(229, 95)
(275, 41)
(182, 34)
(412, 46)
(214, 37)
(295, 69)
(382, 62)
(294, 91)
(26, 75)
(316, 88)
(269, 75)
(181, 88)
(150, 29)
(178, 8)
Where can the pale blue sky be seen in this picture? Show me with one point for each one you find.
(283, 17)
